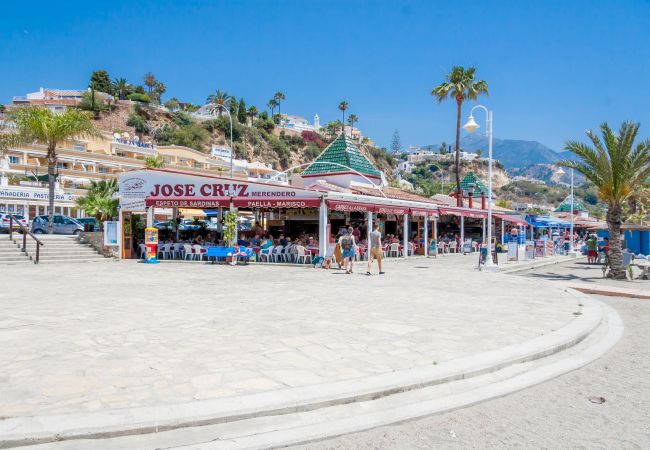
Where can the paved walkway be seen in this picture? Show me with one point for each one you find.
(88, 338)
(555, 414)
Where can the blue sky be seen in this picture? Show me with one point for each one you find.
(555, 68)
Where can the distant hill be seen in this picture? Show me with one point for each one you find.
(513, 153)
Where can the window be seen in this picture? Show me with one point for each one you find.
(61, 165)
(14, 159)
(120, 154)
(102, 169)
(79, 147)
(198, 165)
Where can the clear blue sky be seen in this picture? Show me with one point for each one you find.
(555, 68)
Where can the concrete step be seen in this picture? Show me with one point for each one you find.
(57, 256)
(297, 415)
(9, 259)
(101, 259)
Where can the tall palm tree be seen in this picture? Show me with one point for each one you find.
(278, 97)
(41, 124)
(99, 201)
(272, 104)
(150, 81)
(351, 120)
(617, 168)
(343, 106)
(120, 87)
(460, 84)
(252, 113)
(219, 100)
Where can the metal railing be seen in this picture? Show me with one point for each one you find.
(26, 232)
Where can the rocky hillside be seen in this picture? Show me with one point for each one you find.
(260, 141)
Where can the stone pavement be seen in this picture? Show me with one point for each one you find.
(88, 338)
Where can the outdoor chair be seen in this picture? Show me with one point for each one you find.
(277, 253)
(442, 248)
(394, 250)
(266, 253)
(302, 256)
(198, 252)
(453, 247)
(163, 250)
(142, 251)
(187, 251)
(175, 250)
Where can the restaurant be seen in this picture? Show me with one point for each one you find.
(340, 189)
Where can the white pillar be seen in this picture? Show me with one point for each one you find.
(370, 225)
(435, 234)
(426, 236)
(406, 235)
(322, 228)
(150, 217)
(462, 234)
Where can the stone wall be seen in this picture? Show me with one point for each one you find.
(96, 240)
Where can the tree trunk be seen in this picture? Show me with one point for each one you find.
(459, 195)
(616, 270)
(51, 166)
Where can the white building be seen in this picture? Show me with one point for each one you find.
(56, 99)
(299, 123)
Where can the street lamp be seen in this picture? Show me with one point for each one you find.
(562, 172)
(470, 127)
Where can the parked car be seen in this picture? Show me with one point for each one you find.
(61, 225)
(4, 221)
(89, 223)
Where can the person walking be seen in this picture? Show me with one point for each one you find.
(347, 247)
(374, 241)
(592, 250)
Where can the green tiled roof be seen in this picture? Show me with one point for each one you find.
(342, 152)
(565, 206)
(479, 187)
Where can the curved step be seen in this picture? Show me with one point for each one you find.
(266, 405)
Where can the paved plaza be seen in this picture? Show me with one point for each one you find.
(82, 338)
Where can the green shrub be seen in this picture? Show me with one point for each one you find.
(137, 97)
(182, 119)
(193, 136)
(137, 122)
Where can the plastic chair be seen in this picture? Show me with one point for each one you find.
(302, 255)
(266, 253)
(198, 251)
(453, 247)
(394, 250)
(142, 251)
(188, 251)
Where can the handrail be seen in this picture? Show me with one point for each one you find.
(26, 232)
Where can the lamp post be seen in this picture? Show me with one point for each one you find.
(470, 127)
(562, 172)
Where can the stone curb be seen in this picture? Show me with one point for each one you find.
(103, 424)
(535, 265)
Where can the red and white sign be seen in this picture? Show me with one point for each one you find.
(417, 212)
(199, 203)
(336, 205)
(246, 202)
(397, 210)
(163, 184)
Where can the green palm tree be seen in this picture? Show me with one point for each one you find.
(252, 113)
(219, 100)
(99, 201)
(618, 169)
(272, 104)
(121, 87)
(41, 124)
(278, 97)
(460, 84)
(154, 162)
(351, 120)
(343, 106)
